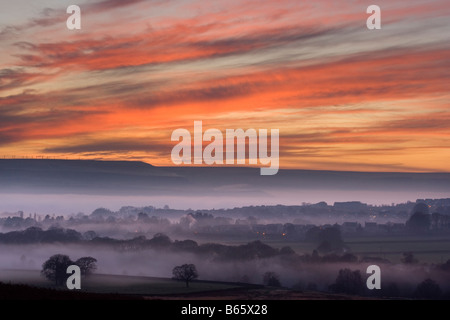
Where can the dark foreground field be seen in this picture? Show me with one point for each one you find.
(262, 293)
(26, 292)
(119, 284)
(118, 287)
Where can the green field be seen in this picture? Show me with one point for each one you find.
(99, 283)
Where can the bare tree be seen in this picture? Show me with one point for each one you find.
(271, 279)
(349, 282)
(428, 289)
(185, 272)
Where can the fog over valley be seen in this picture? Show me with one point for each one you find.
(316, 231)
(72, 186)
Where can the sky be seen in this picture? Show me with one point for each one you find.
(342, 96)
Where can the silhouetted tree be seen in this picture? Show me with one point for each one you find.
(287, 250)
(87, 265)
(332, 234)
(427, 289)
(328, 239)
(419, 222)
(101, 213)
(251, 250)
(349, 257)
(160, 240)
(143, 217)
(288, 229)
(349, 282)
(201, 216)
(89, 235)
(185, 245)
(55, 268)
(420, 219)
(271, 279)
(312, 234)
(315, 256)
(324, 247)
(185, 272)
(408, 258)
(445, 266)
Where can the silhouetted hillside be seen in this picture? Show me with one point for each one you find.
(139, 178)
(83, 176)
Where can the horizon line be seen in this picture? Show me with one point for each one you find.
(198, 166)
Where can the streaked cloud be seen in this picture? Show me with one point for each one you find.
(342, 96)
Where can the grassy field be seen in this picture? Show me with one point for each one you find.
(99, 283)
(118, 287)
(425, 248)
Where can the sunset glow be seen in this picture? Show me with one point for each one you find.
(343, 97)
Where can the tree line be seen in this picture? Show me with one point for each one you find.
(55, 268)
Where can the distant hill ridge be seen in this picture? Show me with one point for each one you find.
(140, 178)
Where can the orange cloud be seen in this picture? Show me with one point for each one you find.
(341, 97)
